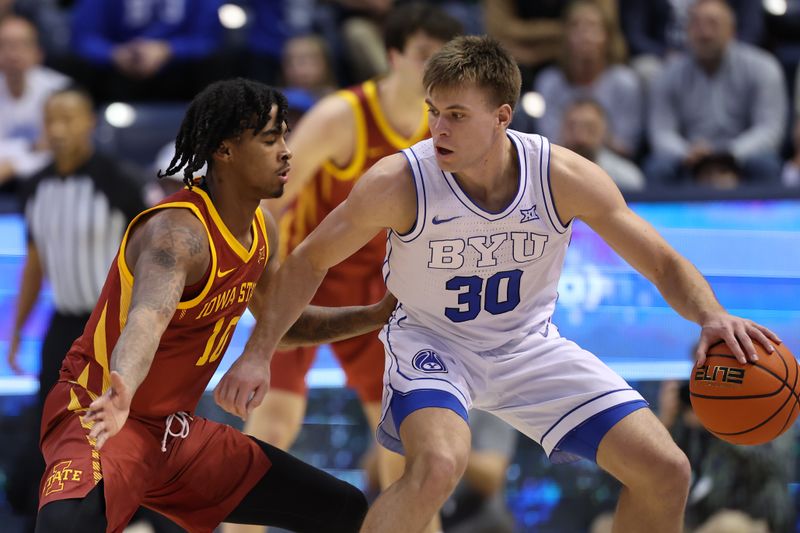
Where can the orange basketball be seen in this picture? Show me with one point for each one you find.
(746, 404)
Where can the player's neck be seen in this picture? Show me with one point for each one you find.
(494, 179)
(402, 106)
(235, 210)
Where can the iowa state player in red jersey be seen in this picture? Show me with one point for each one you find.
(336, 142)
(118, 430)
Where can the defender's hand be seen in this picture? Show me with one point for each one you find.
(110, 411)
(738, 333)
(243, 386)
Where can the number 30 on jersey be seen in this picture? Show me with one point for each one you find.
(498, 294)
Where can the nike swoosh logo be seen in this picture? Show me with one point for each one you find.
(437, 220)
(222, 274)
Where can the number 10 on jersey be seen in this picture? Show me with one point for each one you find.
(497, 294)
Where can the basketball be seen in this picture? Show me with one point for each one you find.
(746, 404)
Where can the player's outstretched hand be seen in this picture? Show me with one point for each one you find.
(109, 412)
(738, 333)
(243, 386)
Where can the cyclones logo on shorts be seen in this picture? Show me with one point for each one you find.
(428, 361)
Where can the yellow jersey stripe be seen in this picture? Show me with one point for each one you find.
(124, 301)
(100, 352)
(263, 225)
(74, 403)
(83, 379)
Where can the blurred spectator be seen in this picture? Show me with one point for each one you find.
(76, 210)
(532, 31)
(24, 86)
(722, 97)
(589, 66)
(750, 479)
(468, 12)
(656, 29)
(790, 176)
(584, 131)
(268, 33)
(478, 503)
(160, 49)
(307, 66)
(363, 37)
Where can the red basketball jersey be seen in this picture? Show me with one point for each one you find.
(198, 333)
(331, 185)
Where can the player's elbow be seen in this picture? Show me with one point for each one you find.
(306, 261)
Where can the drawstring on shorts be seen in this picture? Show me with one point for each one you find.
(181, 416)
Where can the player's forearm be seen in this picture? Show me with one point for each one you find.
(318, 325)
(286, 297)
(686, 290)
(136, 347)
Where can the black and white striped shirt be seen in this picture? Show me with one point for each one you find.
(76, 223)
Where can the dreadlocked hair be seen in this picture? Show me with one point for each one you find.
(223, 110)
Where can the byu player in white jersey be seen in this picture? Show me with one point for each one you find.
(479, 220)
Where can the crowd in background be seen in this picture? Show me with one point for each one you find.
(662, 94)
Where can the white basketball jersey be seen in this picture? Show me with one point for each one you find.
(481, 279)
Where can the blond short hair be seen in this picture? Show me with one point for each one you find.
(478, 60)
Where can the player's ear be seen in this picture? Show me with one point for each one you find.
(504, 115)
(223, 151)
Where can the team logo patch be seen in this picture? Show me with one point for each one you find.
(529, 214)
(428, 361)
(61, 473)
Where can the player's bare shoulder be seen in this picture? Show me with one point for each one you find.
(173, 236)
(388, 192)
(581, 189)
(333, 113)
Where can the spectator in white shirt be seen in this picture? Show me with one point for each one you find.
(24, 87)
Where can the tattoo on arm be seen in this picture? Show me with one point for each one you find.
(318, 325)
(168, 253)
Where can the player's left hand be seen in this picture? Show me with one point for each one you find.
(109, 412)
(243, 386)
(738, 333)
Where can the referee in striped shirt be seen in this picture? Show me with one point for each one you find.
(76, 210)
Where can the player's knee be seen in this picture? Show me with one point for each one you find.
(437, 472)
(669, 474)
